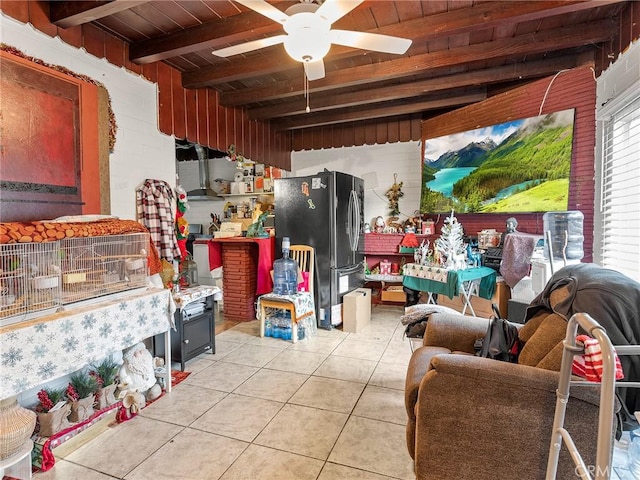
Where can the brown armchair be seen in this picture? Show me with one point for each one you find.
(471, 417)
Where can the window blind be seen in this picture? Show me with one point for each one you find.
(620, 194)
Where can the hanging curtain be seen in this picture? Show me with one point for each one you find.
(154, 206)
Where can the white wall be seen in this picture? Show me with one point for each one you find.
(141, 151)
(376, 164)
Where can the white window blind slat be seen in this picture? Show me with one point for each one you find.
(620, 193)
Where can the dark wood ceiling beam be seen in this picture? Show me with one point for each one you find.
(477, 17)
(516, 47)
(487, 15)
(234, 29)
(71, 14)
(327, 118)
(327, 101)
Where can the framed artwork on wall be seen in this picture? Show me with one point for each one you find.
(517, 166)
(54, 145)
(40, 152)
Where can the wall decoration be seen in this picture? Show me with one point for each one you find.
(517, 166)
(57, 128)
(40, 130)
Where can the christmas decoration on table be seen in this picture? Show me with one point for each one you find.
(394, 194)
(423, 255)
(182, 226)
(450, 245)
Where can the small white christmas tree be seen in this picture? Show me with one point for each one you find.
(450, 245)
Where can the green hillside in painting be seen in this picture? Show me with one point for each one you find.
(525, 162)
(548, 196)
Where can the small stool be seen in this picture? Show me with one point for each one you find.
(18, 465)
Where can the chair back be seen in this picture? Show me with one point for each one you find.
(305, 257)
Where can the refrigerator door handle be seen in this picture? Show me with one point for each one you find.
(354, 212)
(358, 219)
(350, 220)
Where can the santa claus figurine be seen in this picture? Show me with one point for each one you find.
(137, 372)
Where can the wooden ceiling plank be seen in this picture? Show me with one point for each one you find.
(219, 33)
(516, 71)
(439, 26)
(312, 120)
(560, 39)
(71, 14)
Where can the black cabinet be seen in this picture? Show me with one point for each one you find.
(195, 324)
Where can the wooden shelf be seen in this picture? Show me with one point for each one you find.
(236, 195)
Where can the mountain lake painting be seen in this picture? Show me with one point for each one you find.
(517, 166)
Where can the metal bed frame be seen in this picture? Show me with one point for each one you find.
(602, 468)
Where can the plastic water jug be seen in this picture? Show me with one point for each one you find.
(634, 453)
(564, 227)
(285, 272)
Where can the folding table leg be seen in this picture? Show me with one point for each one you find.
(263, 319)
(467, 290)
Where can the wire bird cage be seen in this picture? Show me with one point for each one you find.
(96, 266)
(29, 280)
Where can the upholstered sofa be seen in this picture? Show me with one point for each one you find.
(477, 418)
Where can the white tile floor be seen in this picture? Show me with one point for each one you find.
(327, 408)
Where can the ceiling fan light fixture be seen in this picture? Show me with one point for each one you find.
(308, 38)
(303, 48)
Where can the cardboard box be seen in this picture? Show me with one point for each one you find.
(393, 293)
(356, 310)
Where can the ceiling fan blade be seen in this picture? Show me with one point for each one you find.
(266, 9)
(370, 41)
(333, 10)
(249, 46)
(314, 70)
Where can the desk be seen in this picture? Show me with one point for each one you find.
(43, 349)
(480, 281)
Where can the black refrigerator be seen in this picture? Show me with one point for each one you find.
(326, 211)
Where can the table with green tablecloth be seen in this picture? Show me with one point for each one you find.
(479, 281)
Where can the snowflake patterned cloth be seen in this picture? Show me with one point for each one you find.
(49, 347)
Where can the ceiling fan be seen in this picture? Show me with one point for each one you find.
(309, 35)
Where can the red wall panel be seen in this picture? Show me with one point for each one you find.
(178, 105)
(165, 114)
(191, 114)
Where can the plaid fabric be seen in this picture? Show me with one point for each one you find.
(154, 207)
(589, 365)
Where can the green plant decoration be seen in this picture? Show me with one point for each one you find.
(83, 385)
(106, 371)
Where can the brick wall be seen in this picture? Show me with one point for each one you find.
(387, 243)
(239, 267)
(575, 89)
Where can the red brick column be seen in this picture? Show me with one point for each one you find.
(239, 277)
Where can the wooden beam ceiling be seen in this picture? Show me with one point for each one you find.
(71, 14)
(462, 51)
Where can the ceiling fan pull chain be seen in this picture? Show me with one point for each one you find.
(306, 90)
